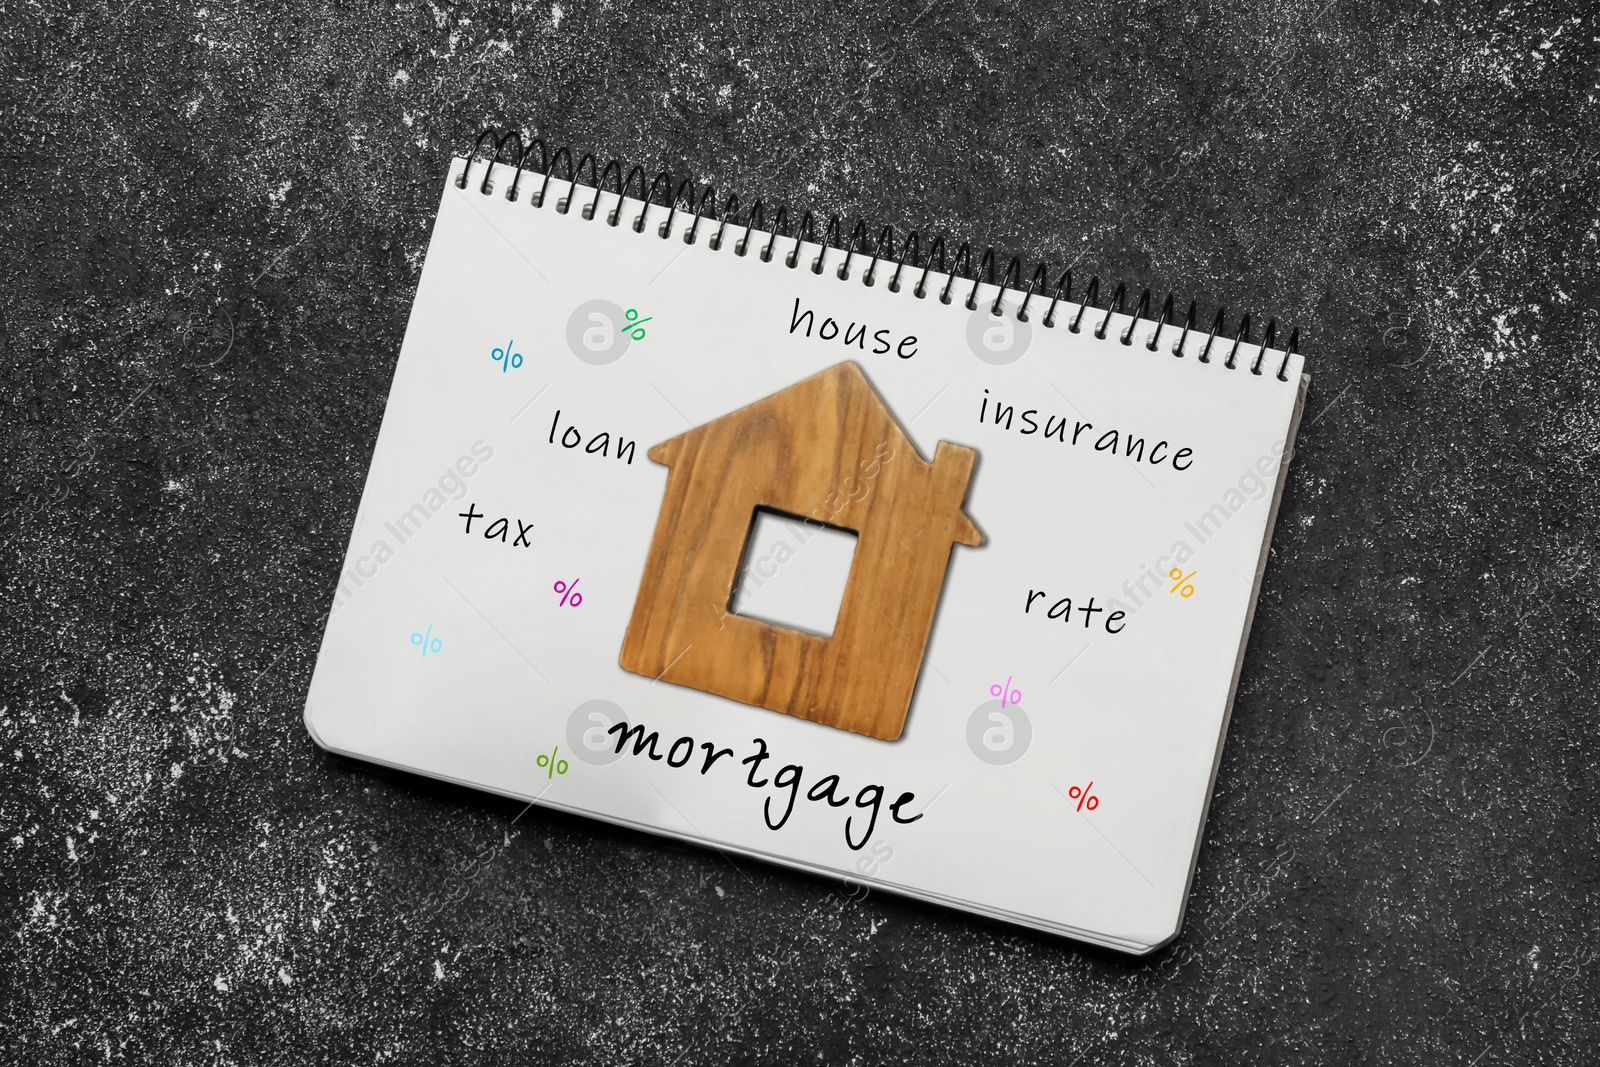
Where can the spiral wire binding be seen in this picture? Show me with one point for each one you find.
(857, 243)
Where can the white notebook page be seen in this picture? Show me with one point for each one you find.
(452, 654)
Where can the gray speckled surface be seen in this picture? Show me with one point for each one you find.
(213, 220)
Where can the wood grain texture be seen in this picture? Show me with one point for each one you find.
(824, 448)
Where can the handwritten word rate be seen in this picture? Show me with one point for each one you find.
(1062, 609)
(499, 529)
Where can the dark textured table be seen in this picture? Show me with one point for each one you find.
(213, 224)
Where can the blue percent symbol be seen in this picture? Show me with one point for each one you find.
(427, 645)
(506, 358)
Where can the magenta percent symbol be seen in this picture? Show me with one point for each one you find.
(1005, 692)
(569, 592)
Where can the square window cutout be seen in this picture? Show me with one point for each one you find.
(793, 572)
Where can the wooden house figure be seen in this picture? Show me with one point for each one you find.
(805, 450)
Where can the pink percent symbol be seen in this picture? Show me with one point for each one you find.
(1005, 691)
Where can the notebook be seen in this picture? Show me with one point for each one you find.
(827, 546)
